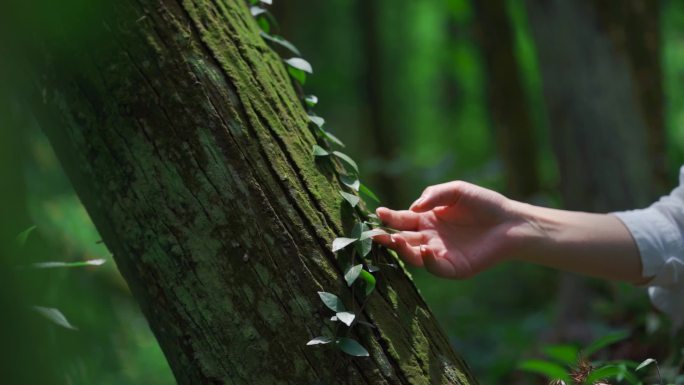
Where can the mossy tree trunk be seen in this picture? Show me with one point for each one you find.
(186, 142)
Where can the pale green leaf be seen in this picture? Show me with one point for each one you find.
(350, 181)
(317, 120)
(346, 317)
(320, 341)
(645, 363)
(311, 100)
(363, 246)
(351, 347)
(352, 274)
(319, 151)
(351, 198)
(349, 162)
(256, 11)
(342, 242)
(280, 41)
(300, 64)
(372, 233)
(332, 301)
(55, 316)
(51, 265)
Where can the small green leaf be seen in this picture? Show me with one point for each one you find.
(346, 317)
(363, 246)
(351, 347)
(645, 363)
(373, 268)
(280, 41)
(332, 138)
(565, 354)
(264, 23)
(603, 373)
(298, 75)
(269, 2)
(319, 151)
(604, 342)
(547, 369)
(332, 301)
(352, 274)
(300, 64)
(23, 236)
(342, 242)
(334, 318)
(55, 316)
(368, 281)
(351, 198)
(311, 100)
(317, 120)
(320, 341)
(51, 265)
(363, 189)
(349, 162)
(350, 181)
(256, 11)
(372, 233)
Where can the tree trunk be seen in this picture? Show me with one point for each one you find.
(510, 114)
(600, 65)
(186, 142)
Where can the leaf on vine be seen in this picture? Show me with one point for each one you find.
(281, 42)
(300, 64)
(369, 282)
(350, 181)
(256, 11)
(319, 151)
(55, 316)
(332, 138)
(346, 317)
(347, 161)
(372, 233)
(317, 120)
(352, 274)
(351, 198)
(363, 246)
(363, 189)
(23, 236)
(373, 268)
(311, 100)
(332, 301)
(351, 347)
(320, 341)
(298, 75)
(51, 265)
(644, 364)
(269, 2)
(342, 242)
(334, 318)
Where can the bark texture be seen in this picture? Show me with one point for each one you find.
(186, 142)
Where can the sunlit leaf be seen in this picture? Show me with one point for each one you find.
(269, 2)
(317, 120)
(372, 233)
(549, 370)
(346, 317)
(50, 265)
(603, 373)
(369, 282)
(604, 342)
(332, 301)
(351, 347)
(298, 75)
(352, 274)
(256, 11)
(311, 100)
(55, 316)
(23, 236)
(645, 363)
(363, 189)
(347, 161)
(320, 341)
(350, 181)
(341, 243)
(334, 318)
(300, 64)
(332, 138)
(319, 151)
(351, 198)
(363, 246)
(280, 41)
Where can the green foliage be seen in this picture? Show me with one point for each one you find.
(351, 347)
(55, 316)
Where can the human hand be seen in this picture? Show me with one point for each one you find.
(457, 229)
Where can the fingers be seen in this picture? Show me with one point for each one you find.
(400, 219)
(442, 266)
(410, 254)
(445, 194)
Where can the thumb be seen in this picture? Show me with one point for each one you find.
(445, 194)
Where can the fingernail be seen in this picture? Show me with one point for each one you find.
(392, 239)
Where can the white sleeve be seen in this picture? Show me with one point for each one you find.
(659, 234)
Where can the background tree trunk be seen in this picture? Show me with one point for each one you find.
(600, 64)
(510, 114)
(189, 148)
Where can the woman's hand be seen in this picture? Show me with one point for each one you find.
(458, 229)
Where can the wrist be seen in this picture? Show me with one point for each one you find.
(531, 231)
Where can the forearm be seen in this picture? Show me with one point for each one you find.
(597, 245)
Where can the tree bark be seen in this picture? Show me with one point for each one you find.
(510, 113)
(186, 142)
(600, 65)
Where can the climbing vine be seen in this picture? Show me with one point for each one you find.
(354, 251)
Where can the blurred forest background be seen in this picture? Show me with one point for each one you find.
(421, 92)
